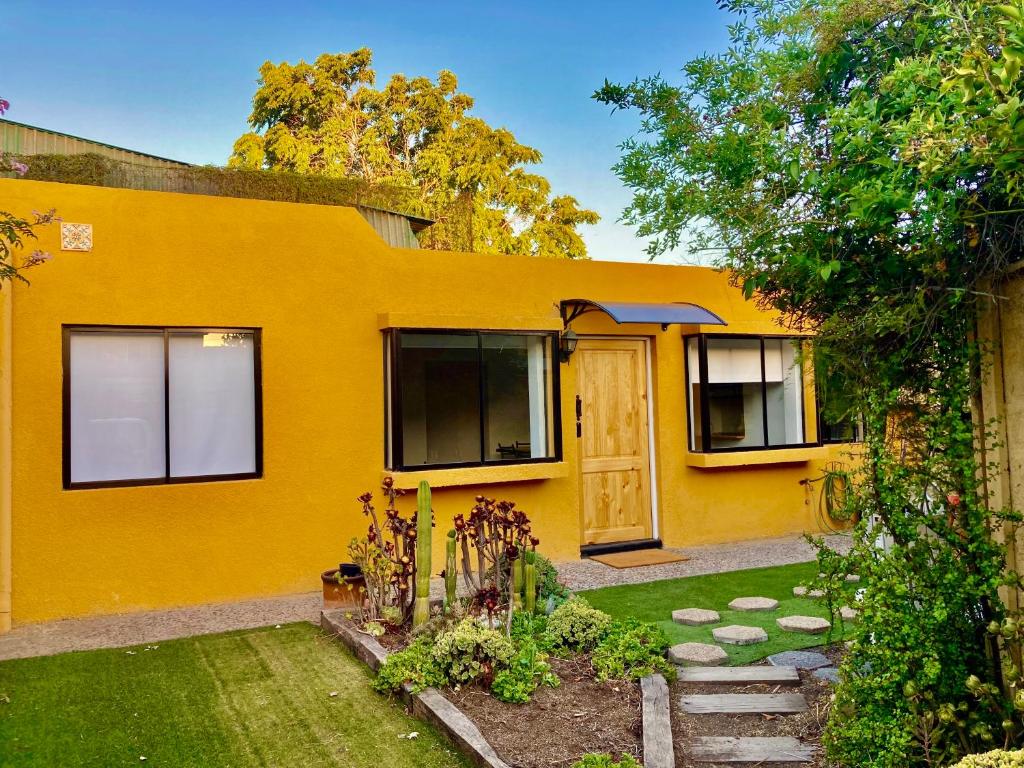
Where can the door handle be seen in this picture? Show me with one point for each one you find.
(579, 416)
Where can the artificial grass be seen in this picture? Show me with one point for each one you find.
(655, 601)
(251, 698)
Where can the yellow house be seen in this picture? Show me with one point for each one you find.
(192, 401)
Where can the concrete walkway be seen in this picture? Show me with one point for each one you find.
(155, 626)
(717, 558)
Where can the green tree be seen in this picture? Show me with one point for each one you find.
(327, 118)
(857, 164)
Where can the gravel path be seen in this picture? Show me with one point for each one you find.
(155, 626)
(718, 558)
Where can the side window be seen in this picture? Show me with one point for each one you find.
(156, 405)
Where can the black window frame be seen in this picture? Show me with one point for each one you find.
(393, 437)
(67, 330)
(705, 412)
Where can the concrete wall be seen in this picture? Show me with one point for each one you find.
(321, 284)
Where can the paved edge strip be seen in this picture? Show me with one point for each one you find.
(657, 723)
(429, 705)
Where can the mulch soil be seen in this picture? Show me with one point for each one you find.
(805, 726)
(559, 725)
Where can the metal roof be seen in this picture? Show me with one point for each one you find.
(23, 139)
(682, 313)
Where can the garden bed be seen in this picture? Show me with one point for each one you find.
(553, 730)
(559, 725)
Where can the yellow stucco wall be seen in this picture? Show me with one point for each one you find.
(318, 281)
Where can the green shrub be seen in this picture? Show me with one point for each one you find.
(470, 651)
(606, 761)
(414, 665)
(549, 588)
(528, 670)
(632, 649)
(576, 626)
(997, 758)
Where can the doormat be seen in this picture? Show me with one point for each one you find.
(639, 557)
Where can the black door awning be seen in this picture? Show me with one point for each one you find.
(681, 313)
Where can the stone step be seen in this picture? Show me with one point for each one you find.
(747, 749)
(743, 703)
(740, 675)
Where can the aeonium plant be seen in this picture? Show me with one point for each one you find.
(500, 533)
(387, 557)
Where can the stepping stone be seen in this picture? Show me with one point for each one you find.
(748, 749)
(800, 659)
(809, 625)
(848, 613)
(740, 675)
(805, 592)
(698, 654)
(852, 578)
(743, 703)
(736, 634)
(830, 674)
(754, 604)
(695, 617)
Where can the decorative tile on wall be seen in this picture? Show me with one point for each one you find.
(75, 237)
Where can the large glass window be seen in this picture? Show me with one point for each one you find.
(468, 397)
(744, 393)
(155, 405)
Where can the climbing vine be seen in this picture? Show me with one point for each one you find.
(857, 164)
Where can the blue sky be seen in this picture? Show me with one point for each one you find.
(176, 78)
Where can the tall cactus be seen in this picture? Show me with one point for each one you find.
(424, 519)
(530, 582)
(450, 571)
(515, 589)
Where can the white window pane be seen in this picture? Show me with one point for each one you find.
(693, 374)
(735, 402)
(212, 403)
(117, 406)
(785, 393)
(734, 361)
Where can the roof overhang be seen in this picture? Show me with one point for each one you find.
(679, 313)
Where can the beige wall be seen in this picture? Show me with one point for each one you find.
(1001, 326)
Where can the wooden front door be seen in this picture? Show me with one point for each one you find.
(612, 391)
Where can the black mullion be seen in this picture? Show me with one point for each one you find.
(556, 398)
(705, 410)
(257, 374)
(481, 379)
(66, 407)
(398, 424)
(167, 406)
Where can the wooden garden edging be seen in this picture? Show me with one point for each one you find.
(432, 707)
(657, 723)
(429, 705)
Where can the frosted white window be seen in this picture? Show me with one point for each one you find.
(156, 405)
(116, 418)
(212, 407)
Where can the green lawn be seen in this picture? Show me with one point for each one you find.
(252, 698)
(656, 600)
